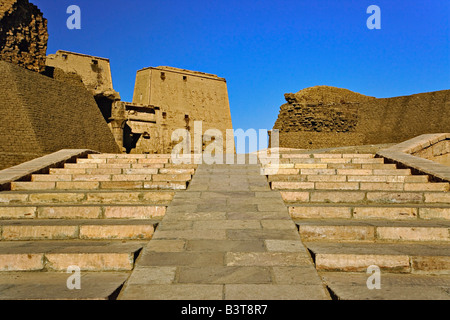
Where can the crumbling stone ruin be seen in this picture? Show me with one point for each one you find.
(323, 116)
(23, 34)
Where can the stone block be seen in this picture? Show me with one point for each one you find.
(141, 212)
(388, 213)
(69, 212)
(117, 232)
(21, 262)
(43, 232)
(320, 212)
(17, 212)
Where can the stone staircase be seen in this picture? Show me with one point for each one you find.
(96, 214)
(354, 211)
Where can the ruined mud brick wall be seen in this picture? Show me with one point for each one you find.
(72, 79)
(322, 117)
(42, 115)
(23, 34)
(185, 97)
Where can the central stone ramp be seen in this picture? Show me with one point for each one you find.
(227, 237)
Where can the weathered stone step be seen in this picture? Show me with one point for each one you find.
(322, 162)
(359, 161)
(159, 197)
(395, 258)
(103, 166)
(115, 171)
(93, 229)
(344, 178)
(329, 166)
(59, 255)
(363, 186)
(177, 158)
(368, 197)
(328, 161)
(129, 156)
(94, 166)
(99, 185)
(123, 161)
(344, 172)
(393, 286)
(326, 155)
(361, 166)
(68, 211)
(53, 285)
(373, 231)
(136, 175)
(372, 212)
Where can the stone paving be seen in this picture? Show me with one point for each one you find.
(229, 236)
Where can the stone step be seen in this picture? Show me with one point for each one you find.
(343, 178)
(389, 257)
(128, 175)
(129, 156)
(159, 197)
(352, 230)
(328, 161)
(59, 255)
(53, 285)
(312, 161)
(344, 172)
(370, 212)
(326, 155)
(123, 161)
(117, 171)
(362, 166)
(68, 211)
(98, 185)
(93, 229)
(104, 166)
(393, 286)
(363, 186)
(93, 166)
(365, 197)
(175, 171)
(329, 166)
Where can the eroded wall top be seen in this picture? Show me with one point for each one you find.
(95, 72)
(23, 34)
(322, 117)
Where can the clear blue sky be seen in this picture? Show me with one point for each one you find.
(265, 48)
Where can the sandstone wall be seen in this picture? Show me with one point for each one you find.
(95, 72)
(42, 115)
(23, 34)
(185, 97)
(314, 119)
(139, 129)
